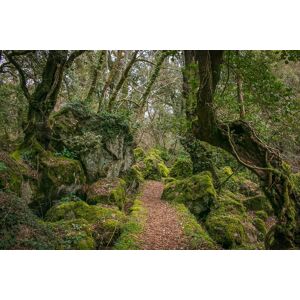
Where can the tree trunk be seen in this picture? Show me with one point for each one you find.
(240, 94)
(240, 139)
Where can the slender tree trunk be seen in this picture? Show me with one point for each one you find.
(240, 139)
(240, 94)
(161, 58)
(111, 78)
(124, 76)
(95, 75)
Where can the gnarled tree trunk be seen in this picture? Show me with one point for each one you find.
(240, 139)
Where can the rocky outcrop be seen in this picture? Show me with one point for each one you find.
(102, 142)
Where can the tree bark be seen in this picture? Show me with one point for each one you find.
(240, 94)
(241, 141)
(122, 80)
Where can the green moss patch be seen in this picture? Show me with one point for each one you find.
(182, 168)
(196, 236)
(129, 239)
(106, 223)
(258, 203)
(196, 192)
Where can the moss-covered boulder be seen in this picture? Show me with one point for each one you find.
(20, 228)
(60, 176)
(11, 174)
(258, 203)
(133, 177)
(154, 166)
(182, 168)
(105, 223)
(196, 192)
(73, 234)
(196, 235)
(129, 239)
(102, 142)
(230, 225)
(108, 191)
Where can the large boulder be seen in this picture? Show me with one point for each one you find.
(59, 177)
(196, 192)
(229, 224)
(108, 191)
(102, 142)
(102, 222)
(153, 166)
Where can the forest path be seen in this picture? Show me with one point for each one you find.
(162, 230)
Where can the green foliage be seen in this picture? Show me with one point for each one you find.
(139, 153)
(66, 153)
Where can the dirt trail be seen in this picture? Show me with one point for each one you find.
(162, 230)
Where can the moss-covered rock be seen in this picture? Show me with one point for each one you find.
(11, 174)
(261, 227)
(230, 225)
(227, 230)
(129, 239)
(133, 177)
(59, 176)
(105, 223)
(102, 142)
(262, 215)
(196, 192)
(258, 203)
(20, 228)
(108, 191)
(182, 168)
(154, 166)
(73, 235)
(195, 234)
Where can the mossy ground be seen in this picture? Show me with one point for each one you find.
(129, 239)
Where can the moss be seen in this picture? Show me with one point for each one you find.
(11, 173)
(155, 167)
(227, 230)
(129, 239)
(196, 236)
(196, 192)
(260, 226)
(230, 225)
(182, 168)
(20, 228)
(262, 215)
(139, 153)
(106, 222)
(73, 234)
(108, 191)
(133, 177)
(258, 203)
